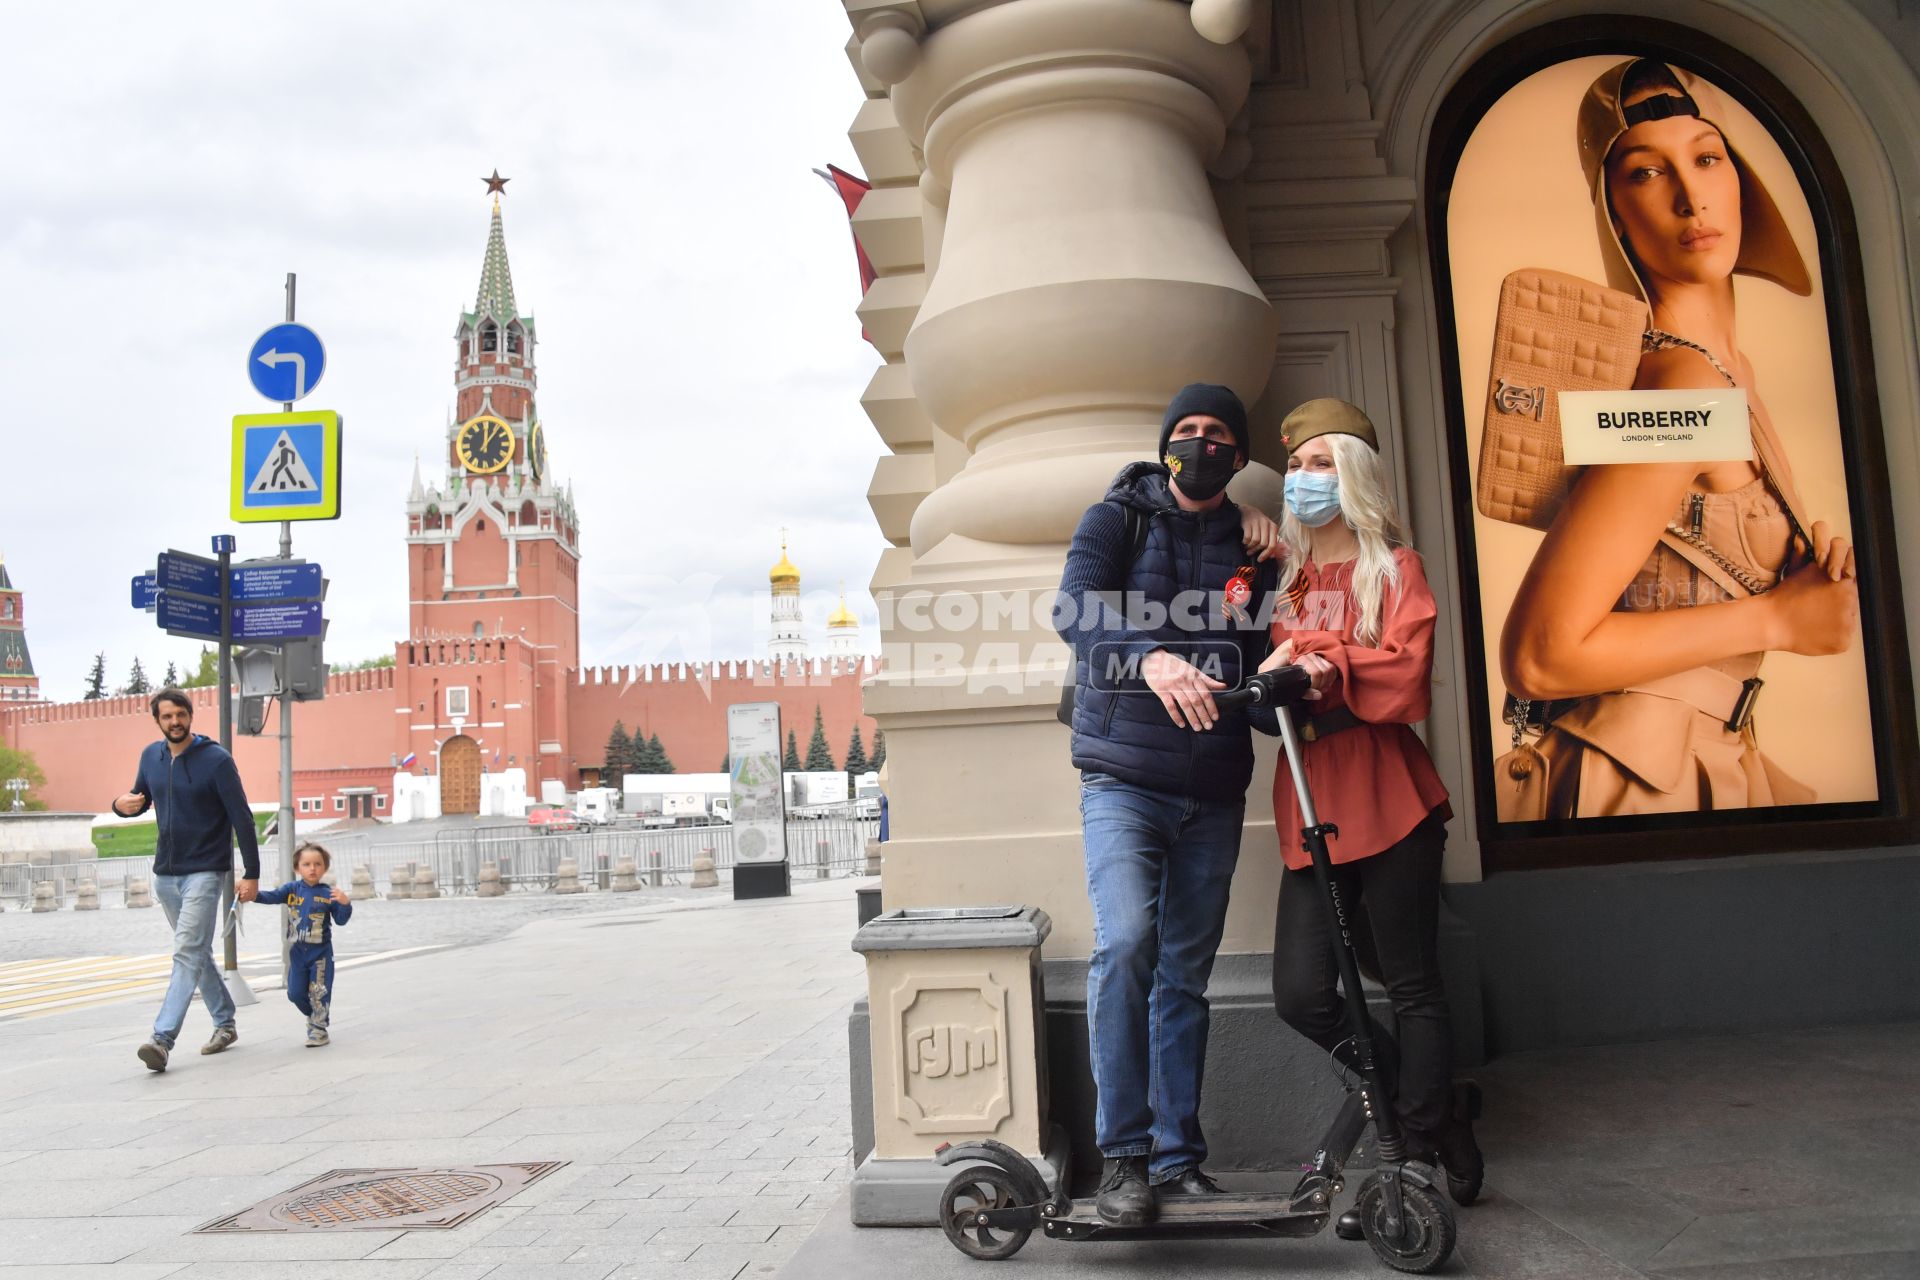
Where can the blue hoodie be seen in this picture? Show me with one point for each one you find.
(202, 809)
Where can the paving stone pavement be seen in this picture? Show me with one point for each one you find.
(687, 1058)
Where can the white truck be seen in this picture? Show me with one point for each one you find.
(675, 799)
(819, 794)
(598, 806)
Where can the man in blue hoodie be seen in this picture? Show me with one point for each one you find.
(1164, 605)
(194, 784)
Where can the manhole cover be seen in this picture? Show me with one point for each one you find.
(387, 1199)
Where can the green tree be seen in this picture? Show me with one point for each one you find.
(369, 664)
(96, 680)
(819, 755)
(137, 681)
(649, 756)
(21, 764)
(879, 750)
(857, 763)
(659, 754)
(619, 755)
(791, 762)
(726, 763)
(206, 674)
(172, 679)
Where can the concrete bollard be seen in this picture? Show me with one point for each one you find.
(87, 896)
(489, 885)
(873, 858)
(426, 883)
(626, 876)
(362, 887)
(139, 893)
(566, 877)
(399, 884)
(822, 859)
(43, 897)
(704, 876)
(656, 876)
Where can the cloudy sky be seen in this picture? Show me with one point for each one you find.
(700, 365)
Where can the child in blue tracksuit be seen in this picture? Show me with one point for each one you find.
(313, 909)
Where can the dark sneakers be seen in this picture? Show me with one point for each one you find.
(1453, 1150)
(1126, 1199)
(223, 1038)
(154, 1054)
(1191, 1183)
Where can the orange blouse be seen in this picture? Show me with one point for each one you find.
(1374, 781)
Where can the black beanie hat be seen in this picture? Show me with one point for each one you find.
(1213, 400)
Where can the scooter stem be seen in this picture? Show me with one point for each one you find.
(1314, 833)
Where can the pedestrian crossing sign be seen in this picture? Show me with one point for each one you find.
(286, 466)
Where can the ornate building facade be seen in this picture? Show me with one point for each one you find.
(18, 683)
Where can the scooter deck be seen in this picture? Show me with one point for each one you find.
(1233, 1214)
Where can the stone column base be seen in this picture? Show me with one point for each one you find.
(906, 1193)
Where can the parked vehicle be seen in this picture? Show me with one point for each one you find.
(598, 806)
(550, 818)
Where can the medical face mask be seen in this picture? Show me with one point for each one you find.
(1313, 497)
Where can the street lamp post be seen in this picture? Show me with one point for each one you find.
(19, 788)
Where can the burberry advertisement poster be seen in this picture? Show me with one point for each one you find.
(1669, 613)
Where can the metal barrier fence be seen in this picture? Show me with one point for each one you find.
(109, 875)
(817, 848)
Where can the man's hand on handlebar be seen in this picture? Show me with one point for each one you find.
(1319, 671)
(1183, 690)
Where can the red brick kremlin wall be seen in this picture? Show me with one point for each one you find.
(350, 738)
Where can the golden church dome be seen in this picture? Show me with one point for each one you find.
(843, 616)
(784, 574)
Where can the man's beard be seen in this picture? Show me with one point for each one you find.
(176, 733)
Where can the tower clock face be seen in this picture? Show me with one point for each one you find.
(485, 445)
(537, 452)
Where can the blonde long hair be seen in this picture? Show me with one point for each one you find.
(1367, 507)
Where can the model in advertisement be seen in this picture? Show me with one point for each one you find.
(1635, 642)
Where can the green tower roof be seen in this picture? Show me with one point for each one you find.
(496, 280)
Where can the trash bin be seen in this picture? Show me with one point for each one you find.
(957, 1048)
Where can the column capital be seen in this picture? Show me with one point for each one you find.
(889, 32)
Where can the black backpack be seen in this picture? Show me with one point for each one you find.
(1137, 526)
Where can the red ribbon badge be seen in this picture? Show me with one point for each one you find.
(1239, 590)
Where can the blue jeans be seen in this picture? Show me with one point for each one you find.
(192, 904)
(1158, 871)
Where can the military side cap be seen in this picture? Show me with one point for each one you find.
(1326, 417)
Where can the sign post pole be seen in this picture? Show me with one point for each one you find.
(285, 824)
(230, 949)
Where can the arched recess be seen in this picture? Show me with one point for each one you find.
(459, 775)
(1855, 92)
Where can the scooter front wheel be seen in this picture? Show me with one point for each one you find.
(972, 1192)
(1427, 1231)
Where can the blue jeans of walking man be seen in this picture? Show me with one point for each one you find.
(192, 904)
(1159, 867)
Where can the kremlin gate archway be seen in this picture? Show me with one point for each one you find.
(459, 775)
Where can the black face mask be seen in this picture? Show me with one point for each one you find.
(1201, 467)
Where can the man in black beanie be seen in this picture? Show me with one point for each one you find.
(1164, 600)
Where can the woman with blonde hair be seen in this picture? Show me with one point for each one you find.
(1635, 641)
(1359, 617)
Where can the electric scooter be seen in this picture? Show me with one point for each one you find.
(991, 1206)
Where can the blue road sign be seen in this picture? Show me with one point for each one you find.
(179, 571)
(286, 362)
(286, 466)
(276, 621)
(145, 587)
(185, 615)
(276, 582)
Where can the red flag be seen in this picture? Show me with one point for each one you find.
(851, 191)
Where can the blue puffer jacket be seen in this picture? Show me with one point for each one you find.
(203, 810)
(1119, 724)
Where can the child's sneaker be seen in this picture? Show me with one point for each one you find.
(316, 1038)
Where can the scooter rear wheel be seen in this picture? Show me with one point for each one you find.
(971, 1192)
(1427, 1231)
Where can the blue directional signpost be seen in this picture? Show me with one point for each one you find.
(276, 580)
(286, 362)
(145, 588)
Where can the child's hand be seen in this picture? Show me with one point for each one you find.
(338, 895)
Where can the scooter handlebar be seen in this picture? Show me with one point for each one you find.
(1280, 687)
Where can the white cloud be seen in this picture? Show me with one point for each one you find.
(700, 363)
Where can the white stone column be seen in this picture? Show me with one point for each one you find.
(1080, 276)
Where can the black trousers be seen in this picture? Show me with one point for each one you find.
(1393, 900)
